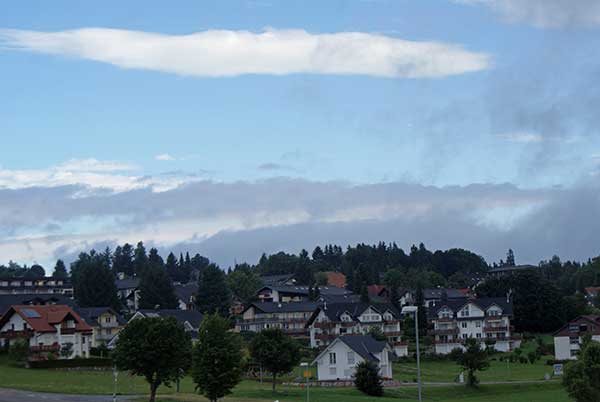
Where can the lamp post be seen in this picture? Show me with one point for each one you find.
(415, 310)
(306, 374)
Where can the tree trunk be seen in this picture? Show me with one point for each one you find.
(274, 380)
(153, 388)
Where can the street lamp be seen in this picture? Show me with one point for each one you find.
(306, 374)
(415, 310)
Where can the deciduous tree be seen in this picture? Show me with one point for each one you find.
(275, 352)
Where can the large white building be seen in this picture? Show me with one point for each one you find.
(291, 318)
(485, 319)
(568, 339)
(332, 320)
(339, 359)
(47, 329)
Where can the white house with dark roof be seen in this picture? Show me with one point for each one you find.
(485, 319)
(339, 359)
(291, 318)
(568, 339)
(332, 320)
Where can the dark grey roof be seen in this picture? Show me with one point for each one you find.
(185, 292)
(436, 293)
(303, 290)
(365, 346)
(345, 298)
(483, 303)
(90, 314)
(193, 317)
(272, 280)
(285, 307)
(513, 268)
(33, 298)
(128, 283)
(333, 311)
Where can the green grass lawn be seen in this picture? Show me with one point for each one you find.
(448, 371)
(101, 382)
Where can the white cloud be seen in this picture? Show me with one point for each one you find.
(220, 53)
(522, 137)
(164, 157)
(93, 175)
(546, 13)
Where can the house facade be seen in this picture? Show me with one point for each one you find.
(291, 318)
(339, 359)
(44, 285)
(332, 320)
(486, 319)
(568, 339)
(47, 329)
(186, 295)
(105, 322)
(128, 292)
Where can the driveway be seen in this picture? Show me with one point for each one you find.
(10, 395)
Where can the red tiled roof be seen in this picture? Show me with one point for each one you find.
(375, 290)
(46, 318)
(591, 291)
(336, 279)
(593, 320)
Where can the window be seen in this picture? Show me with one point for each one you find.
(478, 324)
(332, 371)
(350, 357)
(464, 336)
(347, 373)
(465, 312)
(463, 324)
(478, 335)
(83, 340)
(574, 340)
(332, 359)
(108, 319)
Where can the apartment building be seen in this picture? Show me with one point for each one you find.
(568, 339)
(291, 318)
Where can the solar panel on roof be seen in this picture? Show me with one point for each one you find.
(30, 313)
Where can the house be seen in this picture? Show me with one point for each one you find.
(568, 339)
(278, 280)
(432, 296)
(127, 290)
(485, 319)
(286, 294)
(41, 285)
(591, 294)
(47, 329)
(33, 299)
(378, 292)
(291, 318)
(339, 359)
(500, 272)
(332, 320)
(105, 323)
(186, 295)
(336, 279)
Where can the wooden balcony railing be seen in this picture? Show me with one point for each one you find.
(11, 334)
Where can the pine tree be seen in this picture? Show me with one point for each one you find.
(60, 271)
(140, 260)
(510, 258)
(156, 290)
(172, 268)
(93, 281)
(122, 260)
(214, 296)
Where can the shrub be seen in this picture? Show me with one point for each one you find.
(18, 351)
(367, 379)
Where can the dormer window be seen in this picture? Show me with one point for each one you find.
(465, 312)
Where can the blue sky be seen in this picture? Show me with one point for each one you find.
(506, 98)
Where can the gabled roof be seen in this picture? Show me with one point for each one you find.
(365, 346)
(303, 290)
(334, 311)
(592, 320)
(128, 283)
(592, 291)
(33, 299)
(193, 317)
(90, 314)
(185, 292)
(376, 290)
(436, 293)
(273, 280)
(44, 318)
(483, 303)
(274, 307)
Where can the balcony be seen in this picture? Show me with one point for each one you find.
(392, 333)
(326, 324)
(45, 348)
(11, 334)
(445, 331)
(495, 328)
(67, 331)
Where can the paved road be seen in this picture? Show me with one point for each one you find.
(9, 395)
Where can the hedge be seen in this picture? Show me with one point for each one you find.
(70, 363)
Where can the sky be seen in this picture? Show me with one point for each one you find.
(233, 128)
